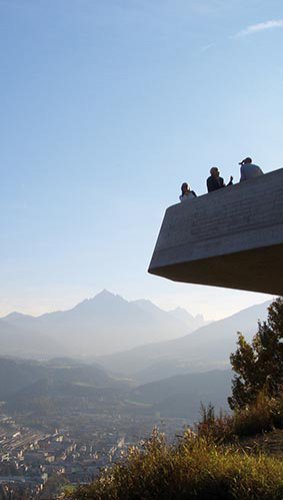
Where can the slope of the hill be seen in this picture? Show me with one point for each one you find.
(181, 396)
(18, 376)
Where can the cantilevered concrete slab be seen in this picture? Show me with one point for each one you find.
(231, 238)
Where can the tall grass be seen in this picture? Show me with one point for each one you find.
(195, 468)
(205, 464)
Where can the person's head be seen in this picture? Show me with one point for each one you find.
(185, 188)
(214, 172)
(246, 161)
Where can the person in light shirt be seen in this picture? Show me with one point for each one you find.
(249, 170)
(186, 193)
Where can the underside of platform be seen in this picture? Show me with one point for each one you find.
(236, 270)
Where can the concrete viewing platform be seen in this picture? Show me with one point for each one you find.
(230, 238)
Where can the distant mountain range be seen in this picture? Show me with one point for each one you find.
(102, 325)
(133, 339)
(207, 348)
(117, 345)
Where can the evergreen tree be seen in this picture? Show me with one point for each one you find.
(259, 365)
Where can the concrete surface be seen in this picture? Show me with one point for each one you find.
(231, 238)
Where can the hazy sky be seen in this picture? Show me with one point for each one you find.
(107, 106)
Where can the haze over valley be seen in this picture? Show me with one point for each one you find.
(135, 341)
(130, 339)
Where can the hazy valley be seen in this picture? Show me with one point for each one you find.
(149, 351)
(78, 387)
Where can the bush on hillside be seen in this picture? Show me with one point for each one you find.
(264, 415)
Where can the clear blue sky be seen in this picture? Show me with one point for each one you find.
(106, 107)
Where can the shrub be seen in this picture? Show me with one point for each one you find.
(218, 428)
(263, 415)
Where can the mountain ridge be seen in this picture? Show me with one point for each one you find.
(131, 338)
(96, 326)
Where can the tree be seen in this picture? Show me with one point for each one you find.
(259, 365)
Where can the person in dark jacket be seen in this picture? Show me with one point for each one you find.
(215, 181)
